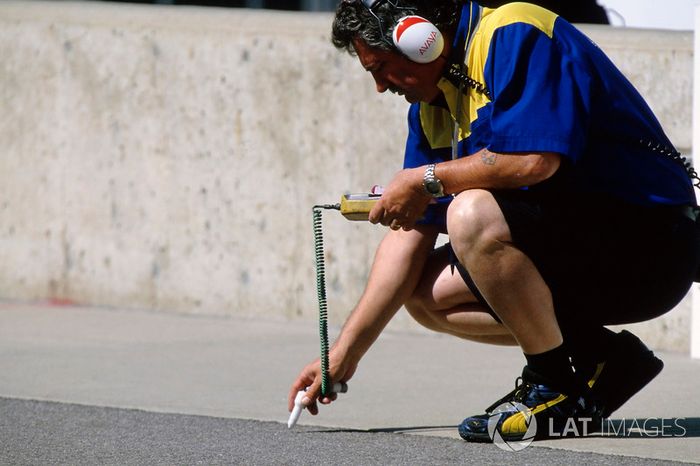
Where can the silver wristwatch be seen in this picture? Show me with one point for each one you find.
(431, 184)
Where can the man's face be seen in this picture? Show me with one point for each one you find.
(396, 73)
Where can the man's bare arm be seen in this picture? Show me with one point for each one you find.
(404, 199)
(397, 267)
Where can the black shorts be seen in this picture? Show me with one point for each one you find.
(605, 261)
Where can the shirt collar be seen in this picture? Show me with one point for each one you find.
(468, 22)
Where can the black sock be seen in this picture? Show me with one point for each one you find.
(555, 367)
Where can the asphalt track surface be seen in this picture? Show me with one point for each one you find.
(81, 385)
(39, 432)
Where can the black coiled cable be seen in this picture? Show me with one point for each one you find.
(321, 292)
(676, 157)
(455, 75)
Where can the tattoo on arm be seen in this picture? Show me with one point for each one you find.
(488, 158)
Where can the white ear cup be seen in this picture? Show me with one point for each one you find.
(418, 39)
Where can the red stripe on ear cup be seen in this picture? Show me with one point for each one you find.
(406, 23)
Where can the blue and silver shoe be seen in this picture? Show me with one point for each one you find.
(534, 410)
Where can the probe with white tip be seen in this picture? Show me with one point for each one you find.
(338, 387)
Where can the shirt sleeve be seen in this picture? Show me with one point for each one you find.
(418, 153)
(541, 97)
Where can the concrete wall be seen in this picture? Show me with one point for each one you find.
(168, 157)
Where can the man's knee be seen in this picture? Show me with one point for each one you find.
(475, 221)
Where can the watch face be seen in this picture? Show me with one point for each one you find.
(433, 187)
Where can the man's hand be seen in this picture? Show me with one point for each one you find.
(310, 379)
(403, 201)
(397, 268)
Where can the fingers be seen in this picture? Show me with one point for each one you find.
(309, 382)
(306, 381)
(299, 385)
(377, 213)
(312, 394)
(405, 225)
(330, 398)
(395, 221)
(391, 219)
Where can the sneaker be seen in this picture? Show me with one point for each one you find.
(630, 367)
(554, 413)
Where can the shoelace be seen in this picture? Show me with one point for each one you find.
(522, 388)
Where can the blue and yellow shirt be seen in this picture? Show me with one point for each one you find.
(551, 89)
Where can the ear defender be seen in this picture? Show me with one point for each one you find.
(418, 39)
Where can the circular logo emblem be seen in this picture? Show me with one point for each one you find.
(520, 419)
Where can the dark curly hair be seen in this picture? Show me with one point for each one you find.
(353, 20)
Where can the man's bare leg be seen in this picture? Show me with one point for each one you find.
(443, 303)
(506, 277)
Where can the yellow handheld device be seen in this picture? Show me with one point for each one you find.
(357, 206)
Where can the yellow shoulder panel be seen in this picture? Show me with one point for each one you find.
(437, 122)
(494, 19)
(437, 125)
